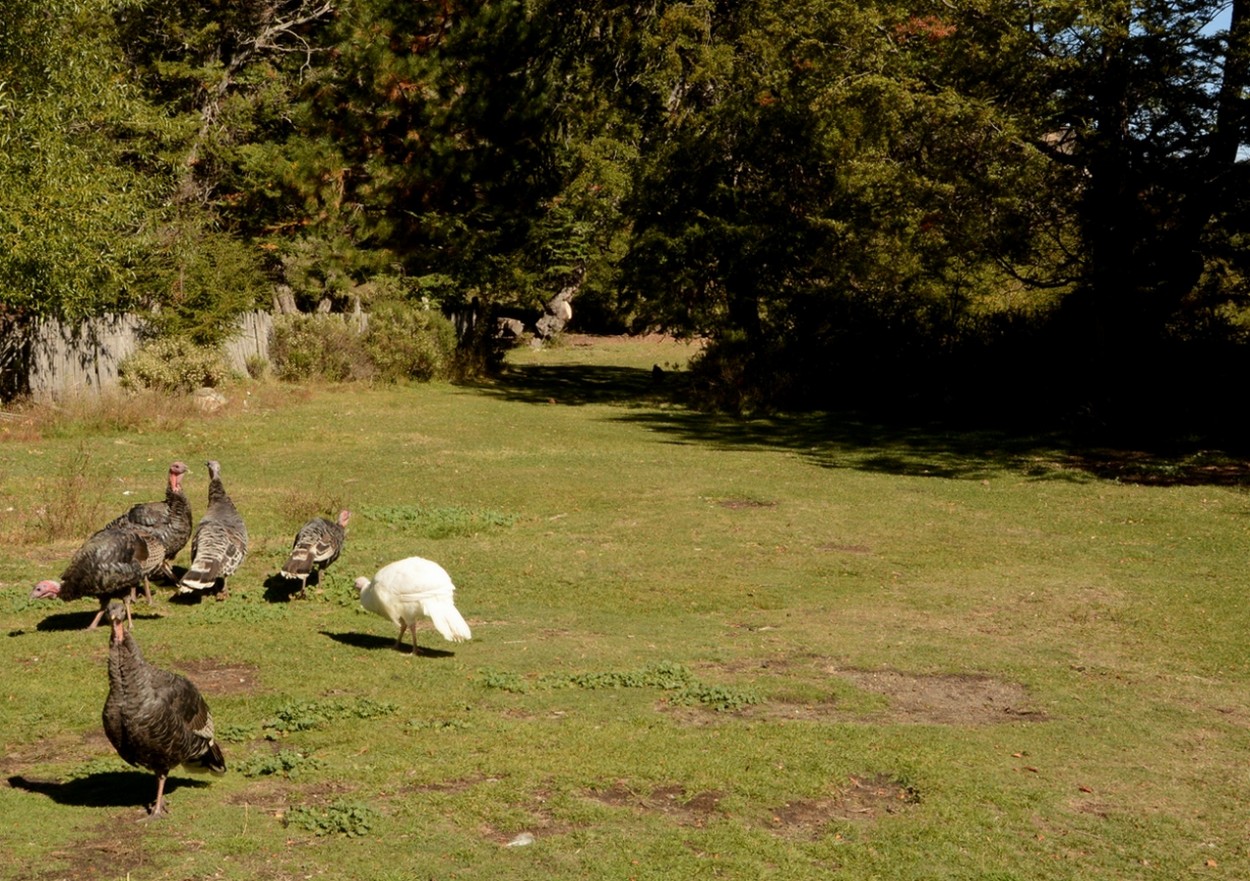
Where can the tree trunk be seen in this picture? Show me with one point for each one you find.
(559, 309)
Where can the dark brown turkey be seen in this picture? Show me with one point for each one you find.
(170, 520)
(317, 544)
(220, 540)
(111, 564)
(155, 719)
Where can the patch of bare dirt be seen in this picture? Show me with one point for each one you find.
(672, 800)
(214, 676)
(1097, 808)
(945, 699)
(865, 797)
(739, 504)
(912, 698)
(459, 785)
(861, 550)
(60, 749)
(113, 849)
(273, 796)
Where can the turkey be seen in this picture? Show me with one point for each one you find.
(405, 590)
(317, 544)
(220, 540)
(111, 564)
(155, 719)
(170, 520)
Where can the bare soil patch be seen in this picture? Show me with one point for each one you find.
(114, 849)
(865, 797)
(740, 504)
(911, 698)
(274, 796)
(693, 809)
(862, 550)
(215, 676)
(58, 749)
(945, 699)
(459, 785)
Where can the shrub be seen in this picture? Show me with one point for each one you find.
(337, 818)
(305, 347)
(173, 366)
(257, 366)
(71, 504)
(409, 342)
(284, 763)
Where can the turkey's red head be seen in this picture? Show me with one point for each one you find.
(344, 516)
(176, 471)
(361, 583)
(117, 618)
(45, 589)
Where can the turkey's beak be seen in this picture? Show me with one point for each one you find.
(44, 589)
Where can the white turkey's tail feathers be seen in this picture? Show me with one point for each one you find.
(447, 619)
(405, 590)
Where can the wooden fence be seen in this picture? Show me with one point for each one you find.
(85, 358)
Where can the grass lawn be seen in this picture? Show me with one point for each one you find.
(703, 647)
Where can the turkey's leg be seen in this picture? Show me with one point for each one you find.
(158, 809)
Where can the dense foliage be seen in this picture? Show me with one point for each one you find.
(893, 203)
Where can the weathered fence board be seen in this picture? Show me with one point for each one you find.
(251, 341)
(85, 358)
(82, 358)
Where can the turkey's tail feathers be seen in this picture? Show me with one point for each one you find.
(202, 575)
(300, 564)
(446, 619)
(210, 761)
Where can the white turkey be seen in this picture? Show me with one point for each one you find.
(220, 540)
(405, 590)
(317, 544)
(111, 564)
(169, 519)
(155, 719)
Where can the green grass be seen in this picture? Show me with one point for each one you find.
(703, 648)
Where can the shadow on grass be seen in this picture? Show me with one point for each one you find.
(62, 621)
(836, 440)
(372, 642)
(575, 385)
(107, 789)
(282, 590)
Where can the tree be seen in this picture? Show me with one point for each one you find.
(1151, 98)
(75, 215)
(819, 197)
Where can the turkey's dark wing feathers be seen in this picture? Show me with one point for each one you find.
(170, 520)
(111, 562)
(149, 514)
(156, 719)
(318, 544)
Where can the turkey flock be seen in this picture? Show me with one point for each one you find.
(156, 719)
